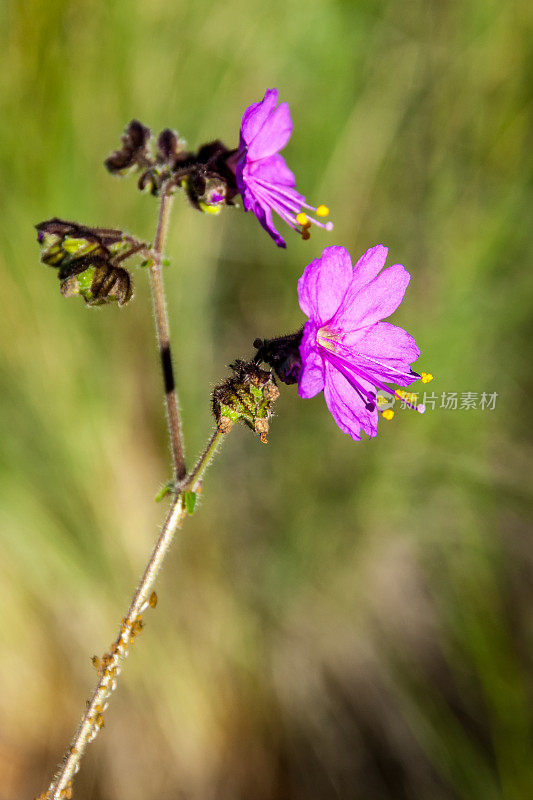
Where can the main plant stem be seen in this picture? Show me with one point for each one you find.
(109, 665)
(163, 338)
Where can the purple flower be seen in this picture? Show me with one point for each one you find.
(265, 182)
(346, 350)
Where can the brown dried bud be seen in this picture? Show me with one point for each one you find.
(170, 147)
(87, 260)
(100, 283)
(135, 150)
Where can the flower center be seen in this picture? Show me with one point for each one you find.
(328, 338)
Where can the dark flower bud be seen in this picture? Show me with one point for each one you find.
(170, 147)
(282, 354)
(215, 156)
(206, 192)
(135, 150)
(248, 396)
(150, 181)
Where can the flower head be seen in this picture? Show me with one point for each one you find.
(346, 349)
(265, 182)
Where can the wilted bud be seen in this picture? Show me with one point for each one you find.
(99, 284)
(170, 147)
(283, 355)
(85, 260)
(248, 396)
(62, 242)
(135, 150)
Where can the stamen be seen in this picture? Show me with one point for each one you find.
(387, 414)
(289, 199)
(426, 377)
(321, 211)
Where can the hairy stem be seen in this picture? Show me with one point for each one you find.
(163, 338)
(109, 665)
(193, 479)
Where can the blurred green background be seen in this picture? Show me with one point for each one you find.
(339, 620)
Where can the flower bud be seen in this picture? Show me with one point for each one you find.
(170, 147)
(135, 150)
(248, 396)
(64, 242)
(206, 192)
(99, 284)
(283, 355)
(85, 259)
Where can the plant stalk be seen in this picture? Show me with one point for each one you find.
(109, 665)
(163, 339)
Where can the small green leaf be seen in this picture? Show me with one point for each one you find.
(190, 501)
(169, 488)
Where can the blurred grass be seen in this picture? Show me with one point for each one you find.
(338, 620)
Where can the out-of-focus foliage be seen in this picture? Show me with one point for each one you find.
(337, 620)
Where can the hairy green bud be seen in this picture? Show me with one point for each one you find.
(248, 396)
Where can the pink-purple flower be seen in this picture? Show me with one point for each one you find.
(265, 182)
(346, 349)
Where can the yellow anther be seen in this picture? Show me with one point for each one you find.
(301, 219)
(400, 393)
(426, 377)
(388, 413)
(322, 211)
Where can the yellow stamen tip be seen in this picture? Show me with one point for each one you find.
(388, 413)
(301, 219)
(426, 377)
(322, 211)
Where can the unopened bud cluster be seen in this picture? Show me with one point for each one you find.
(87, 260)
(248, 396)
(205, 176)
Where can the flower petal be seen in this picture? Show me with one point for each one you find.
(384, 350)
(368, 267)
(311, 380)
(272, 170)
(255, 115)
(324, 283)
(346, 405)
(264, 215)
(273, 135)
(373, 302)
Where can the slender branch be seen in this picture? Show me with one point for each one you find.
(192, 480)
(163, 338)
(109, 665)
